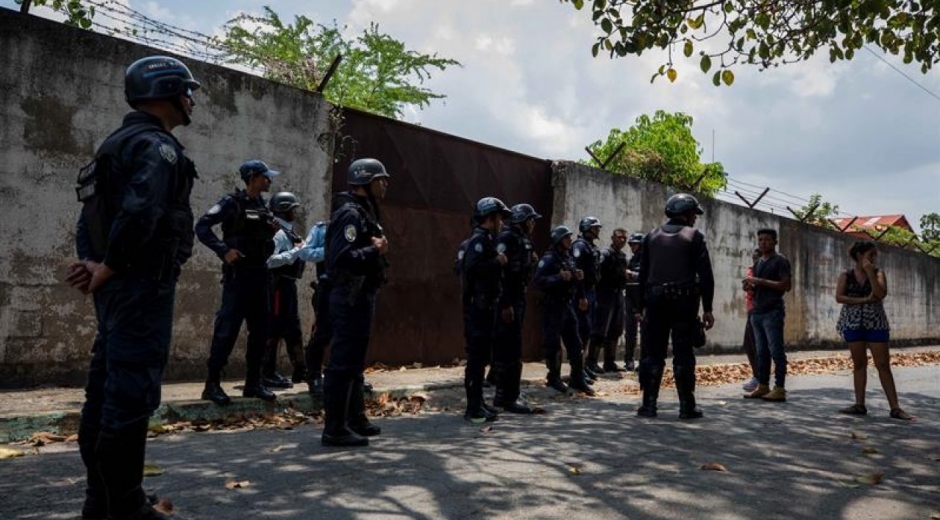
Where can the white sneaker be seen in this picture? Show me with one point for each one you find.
(750, 385)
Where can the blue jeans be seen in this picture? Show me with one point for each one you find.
(768, 338)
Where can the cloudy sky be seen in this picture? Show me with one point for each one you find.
(859, 133)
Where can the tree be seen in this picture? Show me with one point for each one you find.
(930, 227)
(377, 74)
(77, 12)
(765, 33)
(817, 212)
(660, 149)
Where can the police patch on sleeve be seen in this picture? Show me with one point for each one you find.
(577, 253)
(460, 255)
(500, 248)
(214, 209)
(168, 153)
(541, 264)
(478, 247)
(350, 233)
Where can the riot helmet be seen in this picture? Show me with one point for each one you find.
(159, 77)
(283, 202)
(588, 223)
(681, 204)
(488, 206)
(560, 232)
(362, 172)
(636, 238)
(523, 212)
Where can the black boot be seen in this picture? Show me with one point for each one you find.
(337, 392)
(358, 421)
(213, 390)
(96, 500)
(553, 380)
(651, 377)
(295, 349)
(254, 387)
(507, 394)
(120, 465)
(610, 357)
(578, 381)
(685, 387)
(315, 386)
(594, 348)
(473, 384)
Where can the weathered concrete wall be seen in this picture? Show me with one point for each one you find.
(817, 256)
(62, 93)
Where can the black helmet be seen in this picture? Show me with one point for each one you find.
(283, 202)
(682, 203)
(363, 171)
(488, 206)
(560, 232)
(157, 77)
(256, 167)
(636, 238)
(523, 212)
(587, 223)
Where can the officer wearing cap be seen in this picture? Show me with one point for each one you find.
(609, 315)
(587, 259)
(635, 242)
(355, 258)
(247, 242)
(286, 266)
(133, 237)
(556, 276)
(675, 274)
(481, 276)
(516, 244)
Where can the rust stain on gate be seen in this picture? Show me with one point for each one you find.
(436, 179)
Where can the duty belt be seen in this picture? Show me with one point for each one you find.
(673, 291)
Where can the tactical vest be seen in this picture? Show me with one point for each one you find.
(670, 256)
(250, 231)
(613, 270)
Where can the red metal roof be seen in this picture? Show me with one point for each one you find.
(872, 223)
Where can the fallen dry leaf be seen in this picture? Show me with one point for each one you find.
(933, 457)
(714, 466)
(164, 506)
(9, 453)
(277, 448)
(538, 410)
(869, 450)
(72, 438)
(935, 516)
(236, 484)
(574, 470)
(871, 479)
(859, 436)
(152, 470)
(486, 429)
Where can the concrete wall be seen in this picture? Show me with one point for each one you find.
(62, 93)
(817, 256)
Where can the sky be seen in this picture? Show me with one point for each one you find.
(858, 133)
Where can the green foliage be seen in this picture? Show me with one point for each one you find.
(660, 149)
(765, 33)
(817, 212)
(930, 227)
(79, 14)
(377, 74)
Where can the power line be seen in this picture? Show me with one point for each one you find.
(901, 72)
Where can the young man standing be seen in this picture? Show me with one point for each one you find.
(771, 280)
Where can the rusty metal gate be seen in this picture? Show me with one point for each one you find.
(436, 180)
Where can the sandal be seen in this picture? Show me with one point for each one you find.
(858, 409)
(898, 413)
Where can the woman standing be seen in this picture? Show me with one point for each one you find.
(863, 323)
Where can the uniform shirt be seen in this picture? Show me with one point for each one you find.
(151, 181)
(586, 257)
(285, 260)
(482, 272)
(775, 268)
(518, 248)
(548, 274)
(243, 228)
(676, 254)
(309, 252)
(613, 269)
(349, 248)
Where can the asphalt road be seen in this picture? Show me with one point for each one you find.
(584, 458)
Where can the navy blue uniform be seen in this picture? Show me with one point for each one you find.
(482, 285)
(609, 314)
(631, 303)
(559, 321)
(520, 253)
(139, 223)
(586, 258)
(246, 284)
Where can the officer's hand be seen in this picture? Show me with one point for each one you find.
(508, 315)
(501, 258)
(583, 304)
(708, 319)
(78, 276)
(233, 255)
(99, 275)
(300, 245)
(638, 317)
(565, 275)
(579, 274)
(380, 243)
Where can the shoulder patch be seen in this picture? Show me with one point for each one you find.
(168, 153)
(214, 209)
(350, 233)
(460, 254)
(577, 252)
(478, 247)
(541, 264)
(501, 248)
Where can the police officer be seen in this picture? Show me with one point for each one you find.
(556, 276)
(356, 247)
(586, 258)
(609, 315)
(632, 299)
(286, 267)
(675, 273)
(247, 243)
(481, 274)
(322, 331)
(515, 243)
(132, 239)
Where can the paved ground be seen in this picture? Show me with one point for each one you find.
(583, 458)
